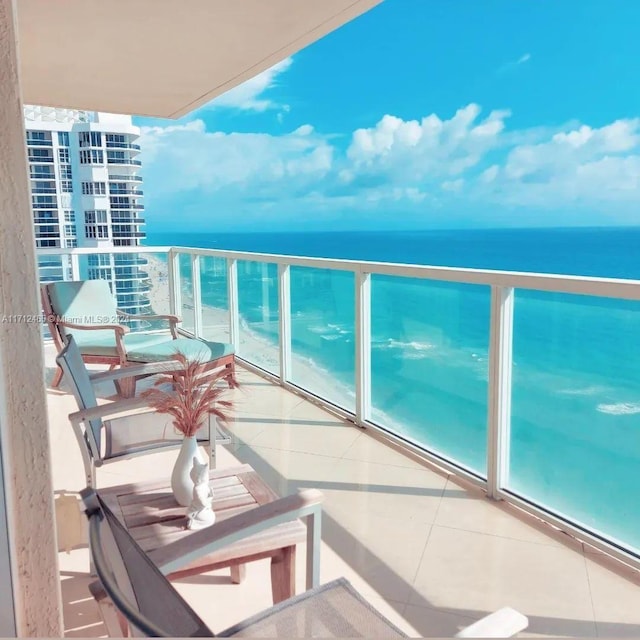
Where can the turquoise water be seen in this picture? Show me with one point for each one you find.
(575, 427)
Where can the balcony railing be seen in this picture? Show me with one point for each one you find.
(129, 234)
(124, 178)
(32, 142)
(497, 377)
(120, 205)
(122, 145)
(130, 161)
(43, 190)
(125, 192)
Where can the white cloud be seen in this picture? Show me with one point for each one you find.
(512, 64)
(413, 167)
(431, 147)
(249, 95)
(188, 157)
(583, 164)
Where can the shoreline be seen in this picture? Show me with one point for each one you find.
(257, 349)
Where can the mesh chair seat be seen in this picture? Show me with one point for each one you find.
(331, 610)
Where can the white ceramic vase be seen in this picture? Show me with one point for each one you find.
(181, 482)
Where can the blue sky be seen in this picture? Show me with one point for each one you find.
(419, 114)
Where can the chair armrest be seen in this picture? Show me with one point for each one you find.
(118, 328)
(201, 543)
(162, 316)
(166, 366)
(108, 409)
(503, 623)
(171, 318)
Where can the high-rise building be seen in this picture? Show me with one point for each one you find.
(86, 192)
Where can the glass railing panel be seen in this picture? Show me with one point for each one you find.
(429, 365)
(575, 411)
(215, 300)
(258, 311)
(323, 333)
(186, 311)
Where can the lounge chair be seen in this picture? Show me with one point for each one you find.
(87, 311)
(149, 605)
(128, 431)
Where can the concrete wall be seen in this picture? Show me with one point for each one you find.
(23, 418)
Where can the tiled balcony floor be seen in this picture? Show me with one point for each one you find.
(432, 554)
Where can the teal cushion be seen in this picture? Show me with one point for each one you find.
(84, 302)
(104, 344)
(201, 350)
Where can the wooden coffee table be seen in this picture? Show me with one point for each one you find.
(152, 516)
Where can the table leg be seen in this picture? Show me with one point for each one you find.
(238, 572)
(283, 574)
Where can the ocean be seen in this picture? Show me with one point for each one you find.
(575, 406)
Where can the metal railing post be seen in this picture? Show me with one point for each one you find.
(314, 540)
(197, 295)
(75, 266)
(234, 314)
(499, 405)
(175, 295)
(284, 317)
(363, 346)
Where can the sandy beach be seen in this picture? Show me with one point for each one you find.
(252, 347)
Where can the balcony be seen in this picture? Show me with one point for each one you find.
(409, 523)
(125, 192)
(123, 161)
(124, 178)
(32, 142)
(128, 206)
(128, 234)
(123, 145)
(43, 190)
(129, 220)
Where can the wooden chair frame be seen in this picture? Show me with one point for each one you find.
(125, 385)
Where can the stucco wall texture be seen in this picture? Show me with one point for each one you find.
(23, 416)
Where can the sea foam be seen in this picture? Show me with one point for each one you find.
(620, 408)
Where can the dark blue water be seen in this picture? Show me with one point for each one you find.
(604, 252)
(575, 404)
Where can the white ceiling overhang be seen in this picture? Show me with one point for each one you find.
(161, 58)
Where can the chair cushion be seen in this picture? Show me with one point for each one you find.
(87, 302)
(152, 347)
(194, 349)
(104, 344)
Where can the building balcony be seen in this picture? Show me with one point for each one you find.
(43, 190)
(131, 207)
(126, 192)
(124, 177)
(129, 234)
(129, 220)
(123, 145)
(124, 161)
(407, 518)
(427, 550)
